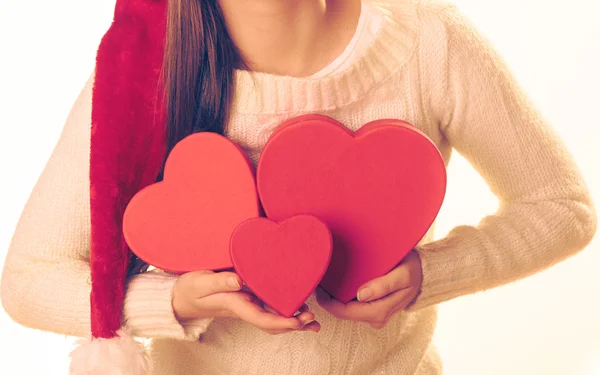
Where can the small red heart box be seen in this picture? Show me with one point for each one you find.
(282, 263)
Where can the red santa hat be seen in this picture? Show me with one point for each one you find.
(128, 139)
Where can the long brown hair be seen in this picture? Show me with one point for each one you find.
(197, 76)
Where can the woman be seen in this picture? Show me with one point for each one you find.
(241, 68)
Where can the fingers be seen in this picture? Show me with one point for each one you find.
(306, 318)
(398, 278)
(312, 327)
(376, 313)
(309, 325)
(347, 311)
(304, 308)
(257, 316)
(221, 294)
(271, 323)
(407, 274)
(303, 314)
(205, 283)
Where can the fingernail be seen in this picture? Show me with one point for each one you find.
(234, 283)
(308, 322)
(314, 329)
(364, 294)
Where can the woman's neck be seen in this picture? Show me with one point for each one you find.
(290, 37)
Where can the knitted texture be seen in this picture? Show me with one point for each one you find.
(428, 66)
(127, 146)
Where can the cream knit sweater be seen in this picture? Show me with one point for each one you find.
(427, 66)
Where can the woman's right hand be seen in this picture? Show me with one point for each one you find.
(206, 294)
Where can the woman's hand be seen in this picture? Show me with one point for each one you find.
(206, 294)
(380, 299)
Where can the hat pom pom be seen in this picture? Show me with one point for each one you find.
(120, 355)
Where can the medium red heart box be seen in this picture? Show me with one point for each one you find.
(184, 223)
(378, 190)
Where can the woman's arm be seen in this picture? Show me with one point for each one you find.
(46, 276)
(545, 214)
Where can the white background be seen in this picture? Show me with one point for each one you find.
(548, 324)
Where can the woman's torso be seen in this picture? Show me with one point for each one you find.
(383, 82)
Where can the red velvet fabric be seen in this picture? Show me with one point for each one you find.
(127, 145)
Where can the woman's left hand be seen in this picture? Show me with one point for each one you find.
(380, 299)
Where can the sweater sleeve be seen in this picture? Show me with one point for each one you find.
(46, 275)
(545, 213)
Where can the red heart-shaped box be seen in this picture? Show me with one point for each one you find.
(282, 263)
(378, 190)
(184, 223)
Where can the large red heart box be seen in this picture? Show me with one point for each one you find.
(378, 190)
(184, 223)
(282, 263)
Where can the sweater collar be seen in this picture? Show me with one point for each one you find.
(393, 46)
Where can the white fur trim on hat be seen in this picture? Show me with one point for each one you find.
(120, 355)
